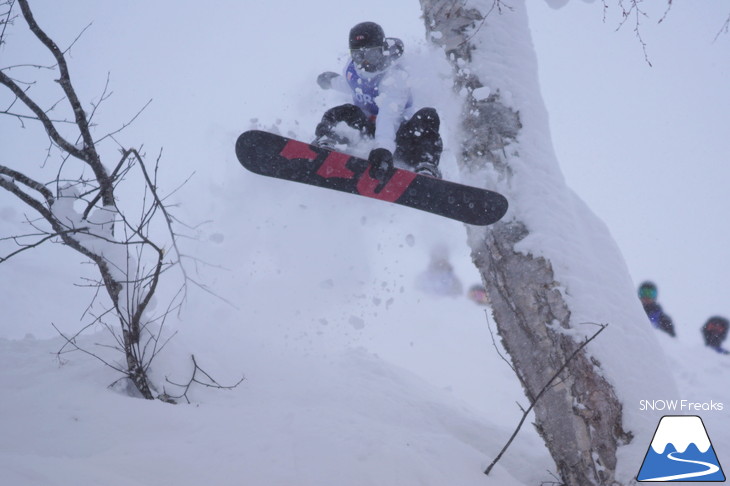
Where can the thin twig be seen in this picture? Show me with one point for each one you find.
(724, 29)
(494, 343)
(38, 243)
(72, 342)
(211, 383)
(8, 19)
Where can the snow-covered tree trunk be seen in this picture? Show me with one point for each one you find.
(579, 416)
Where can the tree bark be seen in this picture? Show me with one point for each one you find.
(579, 417)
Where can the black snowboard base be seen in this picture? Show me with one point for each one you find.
(272, 155)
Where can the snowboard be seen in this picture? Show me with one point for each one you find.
(276, 156)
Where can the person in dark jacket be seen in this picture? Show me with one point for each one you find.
(648, 296)
(715, 331)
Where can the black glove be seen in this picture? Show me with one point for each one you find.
(381, 163)
(324, 80)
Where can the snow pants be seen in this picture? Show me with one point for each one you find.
(417, 140)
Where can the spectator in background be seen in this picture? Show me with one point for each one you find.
(715, 331)
(478, 294)
(439, 278)
(648, 296)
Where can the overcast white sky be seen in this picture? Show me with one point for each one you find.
(647, 147)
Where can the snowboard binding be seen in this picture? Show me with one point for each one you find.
(381, 164)
(429, 169)
(330, 141)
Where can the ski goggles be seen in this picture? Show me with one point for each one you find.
(367, 55)
(648, 293)
(717, 327)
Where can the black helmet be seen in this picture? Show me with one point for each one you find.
(367, 34)
(715, 330)
(367, 47)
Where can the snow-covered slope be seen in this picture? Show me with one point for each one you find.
(353, 376)
(347, 417)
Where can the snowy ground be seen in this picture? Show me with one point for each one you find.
(352, 375)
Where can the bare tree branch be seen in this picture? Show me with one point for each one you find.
(210, 383)
(71, 341)
(30, 246)
(27, 181)
(88, 153)
(494, 343)
(130, 261)
(724, 29)
(630, 9)
(41, 116)
(125, 124)
(4, 22)
(64, 80)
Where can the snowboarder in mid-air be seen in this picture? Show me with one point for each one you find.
(402, 168)
(383, 106)
(648, 295)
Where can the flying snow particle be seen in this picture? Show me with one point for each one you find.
(356, 322)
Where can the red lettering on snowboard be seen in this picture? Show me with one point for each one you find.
(394, 189)
(297, 150)
(334, 166)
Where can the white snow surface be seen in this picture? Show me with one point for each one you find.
(352, 376)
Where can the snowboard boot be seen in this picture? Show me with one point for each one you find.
(381, 163)
(429, 169)
(330, 141)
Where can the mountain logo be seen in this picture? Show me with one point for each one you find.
(681, 451)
